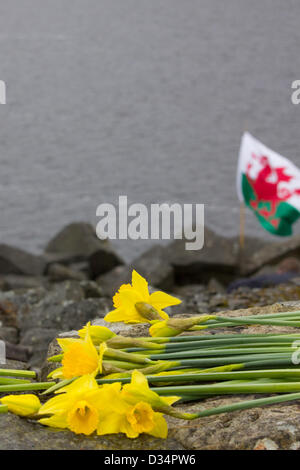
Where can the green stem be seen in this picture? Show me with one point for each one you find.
(219, 352)
(230, 389)
(58, 385)
(7, 381)
(26, 387)
(245, 321)
(215, 376)
(17, 373)
(246, 405)
(3, 408)
(191, 337)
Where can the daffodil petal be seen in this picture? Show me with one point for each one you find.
(160, 427)
(55, 421)
(141, 285)
(161, 300)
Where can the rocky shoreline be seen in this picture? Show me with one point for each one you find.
(73, 281)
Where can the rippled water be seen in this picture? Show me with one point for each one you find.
(138, 97)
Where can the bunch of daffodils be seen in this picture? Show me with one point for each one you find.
(108, 383)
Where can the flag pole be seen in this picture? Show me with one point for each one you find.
(242, 227)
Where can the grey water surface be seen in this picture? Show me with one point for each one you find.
(145, 98)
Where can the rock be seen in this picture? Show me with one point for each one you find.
(265, 444)
(64, 317)
(77, 238)
(40, 314)
(9, 334)
(273, 427)
(65, 258)
(12, 364)
(80, 239)
(151, 264)
(16, 261)
(270, 254)
(215, 287)
(38, 339)
(218, 258)
(17, 281)
(21, 434)
(91, 289)
(103, 260)
(58, 272)
(50, 320)
(18, 352)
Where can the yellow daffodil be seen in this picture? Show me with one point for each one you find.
(80, 357)
(22, 405)
(75, 407)
(131, 417)
(129, 295)
(175, 326)
(84, 407)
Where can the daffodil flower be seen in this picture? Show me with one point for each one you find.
(22, 405)
(75, 407)
(84, 407)
(131, 417)
(129, 295)
(80, 357)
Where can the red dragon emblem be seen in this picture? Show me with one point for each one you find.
(267, 189)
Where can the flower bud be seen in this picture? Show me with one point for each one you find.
(22, 405)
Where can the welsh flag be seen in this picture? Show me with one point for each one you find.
(269, 184)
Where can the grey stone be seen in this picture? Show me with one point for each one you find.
(218, 258)
(103, 260)
(152, 265)
(21, 434)
(38, 339)
(8, 333)
(62, 316)
(80, 239)
(270, 254)
(16, 261)
(58, 272)
(76, 238)
(18, 281)
(91, 289)
(274, 427)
